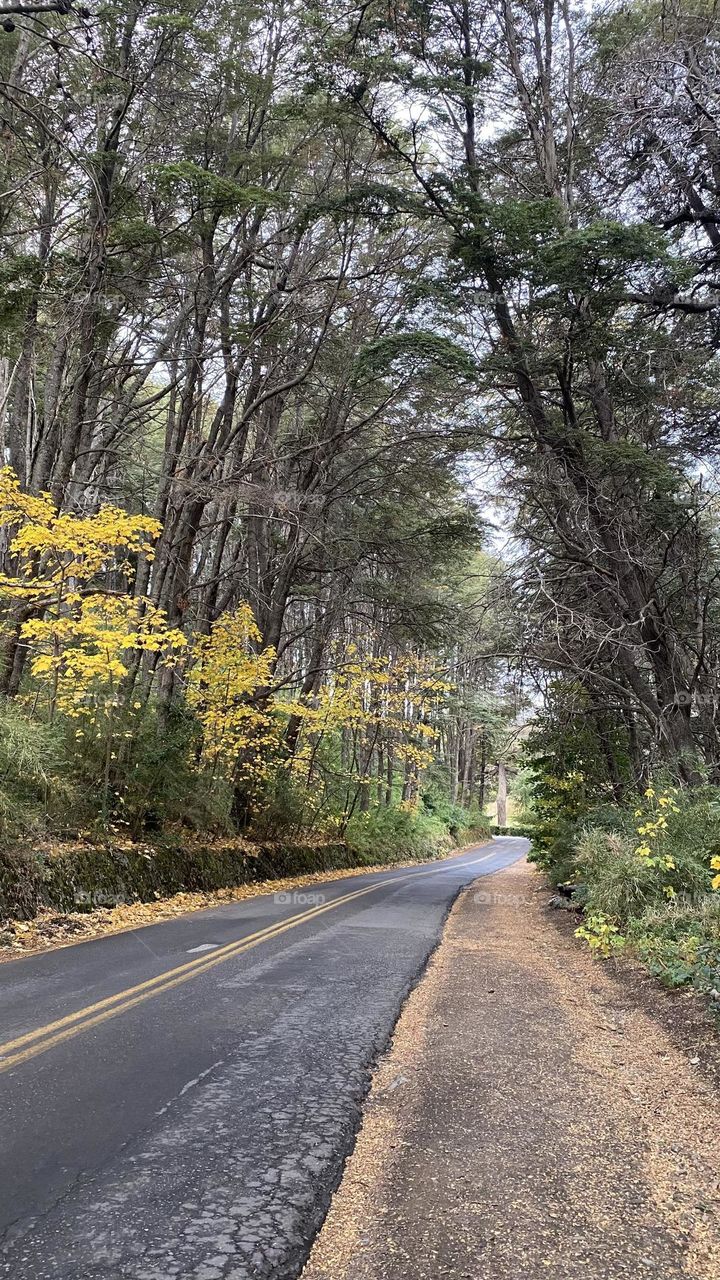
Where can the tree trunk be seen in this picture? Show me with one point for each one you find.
(501, 795)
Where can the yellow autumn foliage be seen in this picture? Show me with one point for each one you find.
(367, 695)
(80, 637)
(83, 654)
(56, 553)
(228, 667)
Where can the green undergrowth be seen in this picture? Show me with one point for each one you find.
(384, 834)
(171, 832)
(644, 874)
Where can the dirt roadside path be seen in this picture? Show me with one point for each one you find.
(528, 1121)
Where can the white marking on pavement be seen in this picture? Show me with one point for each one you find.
(204, 946)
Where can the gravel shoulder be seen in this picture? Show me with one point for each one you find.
(531, 1118)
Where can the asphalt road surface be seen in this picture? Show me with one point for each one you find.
(177, 1102)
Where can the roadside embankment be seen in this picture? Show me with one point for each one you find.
(58, 894)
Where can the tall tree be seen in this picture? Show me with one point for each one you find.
(495, 112)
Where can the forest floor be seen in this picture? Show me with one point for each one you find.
(538, 1114)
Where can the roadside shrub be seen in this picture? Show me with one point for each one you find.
(469, 825)
(612, 880)
(692, 836)
(458, 820)
(396, 833)
(611, 817)
(617, 880)
(680, 942)
(601, 935)
(554, 845)
(644, 876)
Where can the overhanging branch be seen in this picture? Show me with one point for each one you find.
(21, 10)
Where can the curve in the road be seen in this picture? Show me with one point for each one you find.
(157, 1128)
(26, 1046)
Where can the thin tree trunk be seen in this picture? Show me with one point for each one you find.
(501, 795)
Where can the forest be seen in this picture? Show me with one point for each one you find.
(359, 411)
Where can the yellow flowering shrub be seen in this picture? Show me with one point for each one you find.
(601, 934)
(652, 828)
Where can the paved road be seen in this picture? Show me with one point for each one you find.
(177, 1103)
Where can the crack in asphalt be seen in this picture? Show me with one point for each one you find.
(247, 1191)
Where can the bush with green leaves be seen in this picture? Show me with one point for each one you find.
(611, 879)
(574, 761)
(397, 833)
(401, 831)
(680, 942)
(646, 870)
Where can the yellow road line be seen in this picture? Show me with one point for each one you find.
(189, 968)
(22, 1049)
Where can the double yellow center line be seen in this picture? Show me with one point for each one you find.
(14, 1052)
